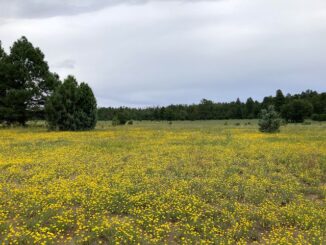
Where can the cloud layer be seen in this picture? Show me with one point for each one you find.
(51, 8)
(163, 52)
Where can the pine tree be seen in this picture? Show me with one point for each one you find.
(279, 100)
(27, 80)
(270, 121)
(250, 107)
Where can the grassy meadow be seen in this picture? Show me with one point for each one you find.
(212, 182)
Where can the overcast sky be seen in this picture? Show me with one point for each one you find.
(145, 53)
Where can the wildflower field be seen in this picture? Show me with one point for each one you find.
(159, 183)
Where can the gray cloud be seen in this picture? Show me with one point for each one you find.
(165, 52)
(51, 8)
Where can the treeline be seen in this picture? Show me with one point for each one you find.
(293, 108)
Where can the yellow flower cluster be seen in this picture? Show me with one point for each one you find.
(154, 183)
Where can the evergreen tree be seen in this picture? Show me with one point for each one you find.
(27, 80)
(296, 110)
(250, 107)
(269, 121)
(205, 110)
(87, 107)
(71, 107)
(3, 83)
(267, 101)
(238, 109)
(279, 100)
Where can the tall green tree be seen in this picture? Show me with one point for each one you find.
(267, 101)
(296, 110)
(279, 100)
(238, 109)
(86, 107)
(3, 82)
(205, 110)
(250, 108)
(71, 107)
(28, 82)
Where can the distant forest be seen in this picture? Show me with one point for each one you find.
(309, 104)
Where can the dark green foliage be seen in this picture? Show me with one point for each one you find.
(319, 117)
(25, 82)
(120, 118)
(115, 121)
(86, 107)
(250, 108)
(267, 101)
(130, 122)
(238, 109)
(279, 100)
(297, 110)
(207, 109)
(71, 107)
(269, 121)
(3, 83)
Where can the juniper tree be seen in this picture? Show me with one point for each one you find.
(71, 107)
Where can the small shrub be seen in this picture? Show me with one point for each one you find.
(226, 123)
(270, 121)
(306, 123)
(115, 121)
(130, 122)
(237, 124)
(119, 119)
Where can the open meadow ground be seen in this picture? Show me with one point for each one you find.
(155, 183)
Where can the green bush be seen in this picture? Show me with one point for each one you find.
(270, 121)
(119, 119)
(115, 121)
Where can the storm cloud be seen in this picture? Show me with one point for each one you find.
(143, 53)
